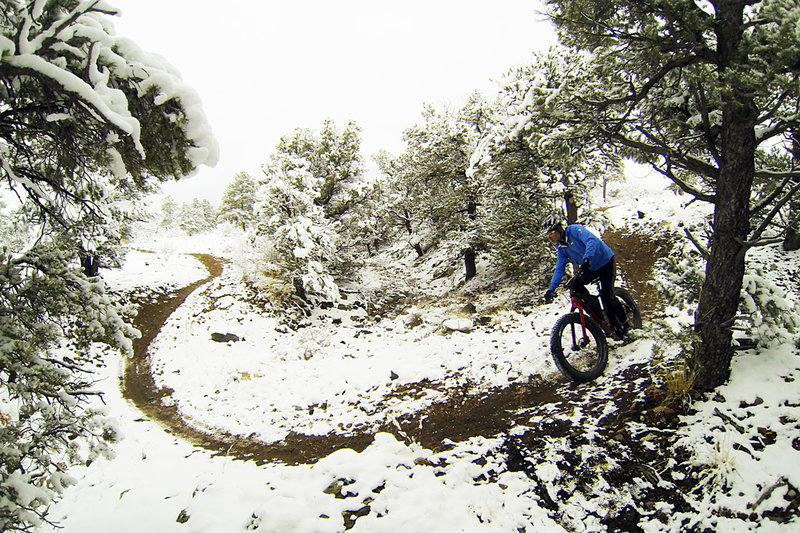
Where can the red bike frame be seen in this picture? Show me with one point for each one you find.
(579, 304)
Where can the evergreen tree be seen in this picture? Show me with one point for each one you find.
(434, 194)
(300, 243)
(324, 169)
(695, 89)
(197, 216)
(332, 156)
(87, 119)
(169, 212)
(536, 137)
(238, 202)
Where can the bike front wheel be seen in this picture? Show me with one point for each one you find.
(580, 353)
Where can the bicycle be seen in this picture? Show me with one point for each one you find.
(584, 331)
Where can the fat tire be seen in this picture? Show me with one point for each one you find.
(632, 313)
(557, 350)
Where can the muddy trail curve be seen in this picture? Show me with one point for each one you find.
(461, 416)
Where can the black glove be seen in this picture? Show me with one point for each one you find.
(549, 295)
(585, 265)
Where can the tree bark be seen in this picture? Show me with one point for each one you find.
(719, 299)
(300, 289)
(791, 240)
(572, 207)
(470, 254)
(469, 264)
(90, 265)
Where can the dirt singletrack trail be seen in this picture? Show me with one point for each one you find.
(462, 416)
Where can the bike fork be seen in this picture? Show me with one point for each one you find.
(585, 339)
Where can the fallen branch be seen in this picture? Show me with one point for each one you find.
(729, 420)
(767, 493)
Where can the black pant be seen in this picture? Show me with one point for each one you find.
(607, 274)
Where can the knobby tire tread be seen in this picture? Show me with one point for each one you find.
(632, 312)
(557, 350)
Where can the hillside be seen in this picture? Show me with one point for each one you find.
(378, 414)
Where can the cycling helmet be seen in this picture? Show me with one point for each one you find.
(551, 223)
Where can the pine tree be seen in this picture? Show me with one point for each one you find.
(169, 212)
(87, 120)
(238, 201)
(696, 90)
(292, 227)
(197, 216)
(538, 141)
(435, 196)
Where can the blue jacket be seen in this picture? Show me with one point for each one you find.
(581, 244)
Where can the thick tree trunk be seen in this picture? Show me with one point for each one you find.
(406, 218)
(719, 299)
(90, 265)
(469, 264)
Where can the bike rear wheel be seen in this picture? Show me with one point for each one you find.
(580, 357)
(632, 314)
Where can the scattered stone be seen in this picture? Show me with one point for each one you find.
(224, 337)
(462, 325)
(350, 517)
(483, 321)
(393, 375)
(758, 401)
(183, 517)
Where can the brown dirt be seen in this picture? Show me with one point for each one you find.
(461, 416)
(630, 431)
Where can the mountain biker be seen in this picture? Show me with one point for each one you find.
(596, 259)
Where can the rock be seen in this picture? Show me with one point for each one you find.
(393, 376)
(660, 415)
(463, 325)
(224, 337)
(483, 320)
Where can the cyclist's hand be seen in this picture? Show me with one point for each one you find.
(549, 295)
(585, 265)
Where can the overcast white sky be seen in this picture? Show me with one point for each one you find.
(264, 68)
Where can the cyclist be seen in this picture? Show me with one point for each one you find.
(596, 259)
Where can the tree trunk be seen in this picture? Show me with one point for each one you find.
(719, 299)
(300, 289)
(469, 264)
(469, 253)
(791, 240)
(572, 207)
(407, 221)
(90, 265)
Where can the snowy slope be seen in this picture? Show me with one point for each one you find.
(342, 372)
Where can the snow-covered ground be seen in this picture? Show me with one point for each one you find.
(339, 373)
